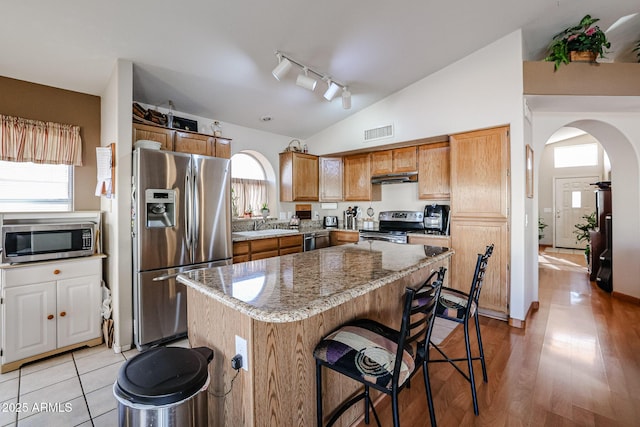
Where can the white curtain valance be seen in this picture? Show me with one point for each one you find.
(24, 140)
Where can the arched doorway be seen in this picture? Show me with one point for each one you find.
(572, 161)
(622, 151)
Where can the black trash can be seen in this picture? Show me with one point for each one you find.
(164, 387)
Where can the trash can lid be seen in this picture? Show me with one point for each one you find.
(164, 375)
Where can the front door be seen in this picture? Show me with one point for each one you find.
(574, 198)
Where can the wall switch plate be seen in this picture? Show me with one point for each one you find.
(241, 349)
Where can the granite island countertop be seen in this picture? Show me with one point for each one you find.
(293, 287)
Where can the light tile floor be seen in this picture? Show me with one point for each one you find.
(75, 388)
(72, 389)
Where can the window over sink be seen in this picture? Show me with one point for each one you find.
(28, 187)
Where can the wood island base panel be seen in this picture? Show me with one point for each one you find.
(282, 307)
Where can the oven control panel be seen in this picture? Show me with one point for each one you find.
(401, 216)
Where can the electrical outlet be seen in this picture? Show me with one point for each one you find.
(241, 349)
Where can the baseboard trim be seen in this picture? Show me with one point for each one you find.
(522, 324)
(625, 297)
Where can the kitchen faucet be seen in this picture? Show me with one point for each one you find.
(258, 224)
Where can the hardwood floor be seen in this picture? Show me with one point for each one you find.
(577, 363)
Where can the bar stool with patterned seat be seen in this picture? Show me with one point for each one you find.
(381, 357)
(459, 307)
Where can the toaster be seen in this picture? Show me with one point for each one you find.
(330, 222)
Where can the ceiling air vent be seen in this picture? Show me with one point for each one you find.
(378, 133)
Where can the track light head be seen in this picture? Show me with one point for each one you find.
(283, 67)
(332, 90)
(346, 98)
(305, 81)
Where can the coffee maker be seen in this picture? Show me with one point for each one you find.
(436, 219)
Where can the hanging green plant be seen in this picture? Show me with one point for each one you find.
(584, 37)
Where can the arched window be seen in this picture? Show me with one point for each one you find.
(248, 184)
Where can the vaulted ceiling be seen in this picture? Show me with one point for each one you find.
(214, 58)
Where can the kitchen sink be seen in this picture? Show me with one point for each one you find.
(269, 232)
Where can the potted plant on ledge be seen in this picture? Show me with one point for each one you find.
(265, 210)
(582, 43)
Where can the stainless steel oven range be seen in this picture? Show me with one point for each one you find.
(394, 226)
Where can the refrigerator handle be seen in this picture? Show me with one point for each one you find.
(187, 208)
(196, 214)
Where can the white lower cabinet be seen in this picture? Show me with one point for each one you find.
(29, 321)
(49, 307)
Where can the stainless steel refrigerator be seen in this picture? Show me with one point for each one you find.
(181, 219)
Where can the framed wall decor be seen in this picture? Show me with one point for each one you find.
(529, 171)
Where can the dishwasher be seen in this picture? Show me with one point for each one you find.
(316, 240)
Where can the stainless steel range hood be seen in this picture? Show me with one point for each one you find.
(395, 178)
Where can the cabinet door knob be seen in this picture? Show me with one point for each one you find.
(56, 271)
(50, 316)
(63, 313)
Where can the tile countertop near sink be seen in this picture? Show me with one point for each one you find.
(297, 286)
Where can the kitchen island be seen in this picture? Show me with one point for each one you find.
(282, 307)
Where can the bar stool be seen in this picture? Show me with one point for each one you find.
(380, 357)
(459, 307)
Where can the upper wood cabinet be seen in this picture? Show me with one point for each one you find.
(194, 143)
(223, 148)
(357, 179)
(183, 141)
(480, 174)
(298, 177)
(434, 173)
(154, 133)
(393, 161)
(331, 177)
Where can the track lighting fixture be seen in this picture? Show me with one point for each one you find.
(332, 90)
(306, 81)
(283, 67)
(346, 98)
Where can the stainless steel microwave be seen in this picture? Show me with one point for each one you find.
(39, 242)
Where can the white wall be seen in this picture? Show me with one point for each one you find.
(619, 134)
(480, 91)
(116, 127)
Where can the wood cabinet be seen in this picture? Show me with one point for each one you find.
(340, 237)
(264, 248)
(429, 240)
(434, 172)
(480, 174)
(154, 133)
(298, 177)
(331, 178)
(241, 252)
(183, 141)
(251, 250)
(469, 238)
(393, 161)
(357, 179)
(194, 143)
(290, 244)
(223, 148)
(49, 308)
(479, 216)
